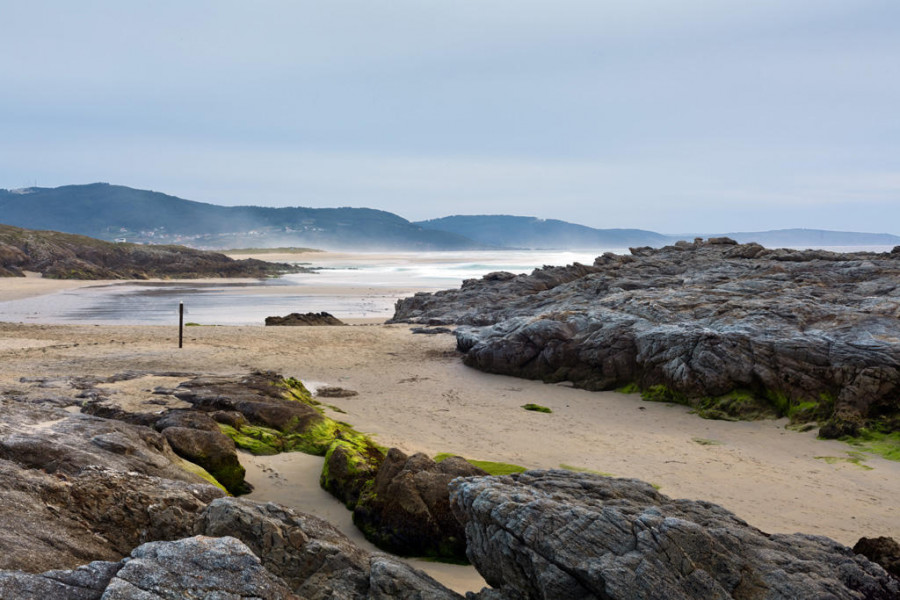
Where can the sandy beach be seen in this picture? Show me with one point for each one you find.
(415, 394)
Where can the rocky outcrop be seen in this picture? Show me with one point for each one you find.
(66, 256)
(407, 509)
(558, 534)
(59, 442)
(810, 334)
(305, 319)
(60, 521)
(329, 391)
(243, 550)
(75, 488)
(314, 558)
(78, 493)
(197, 567)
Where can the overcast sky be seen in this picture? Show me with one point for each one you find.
(676, 116)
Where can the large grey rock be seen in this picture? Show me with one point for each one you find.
(883, 550)
(697, 320)
(557, 534)
(198, 567)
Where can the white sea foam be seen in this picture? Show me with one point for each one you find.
(360, 287)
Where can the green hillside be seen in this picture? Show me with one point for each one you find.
(529, 232)
(113, 212)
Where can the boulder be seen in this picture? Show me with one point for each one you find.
(407, 508)
(558, 534)
(305, 319)
(335, 392)
(431, 330)
(189, 419)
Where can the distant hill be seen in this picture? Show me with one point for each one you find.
(508, 231)
(111, 212)
(116, 213)
(67, 256)
(815, 237)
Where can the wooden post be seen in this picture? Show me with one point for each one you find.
(180, 324)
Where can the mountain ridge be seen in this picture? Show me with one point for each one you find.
(532, 232)
(571, 236)
(115, 212)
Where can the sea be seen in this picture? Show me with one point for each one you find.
(348, 286)
(353, 286)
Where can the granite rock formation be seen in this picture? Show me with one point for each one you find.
(733, 329)
(558, 534)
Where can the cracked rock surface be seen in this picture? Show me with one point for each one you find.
(558, 534)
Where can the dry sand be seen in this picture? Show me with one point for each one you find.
(415, 394)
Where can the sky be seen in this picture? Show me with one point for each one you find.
(674, 116)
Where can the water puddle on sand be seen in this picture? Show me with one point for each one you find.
(292, 479)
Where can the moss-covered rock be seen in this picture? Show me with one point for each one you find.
(747, 405)
(351, 465)
(213, 451)
(263, 444)
(739, 405)
(662, 393)
(488, 466)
